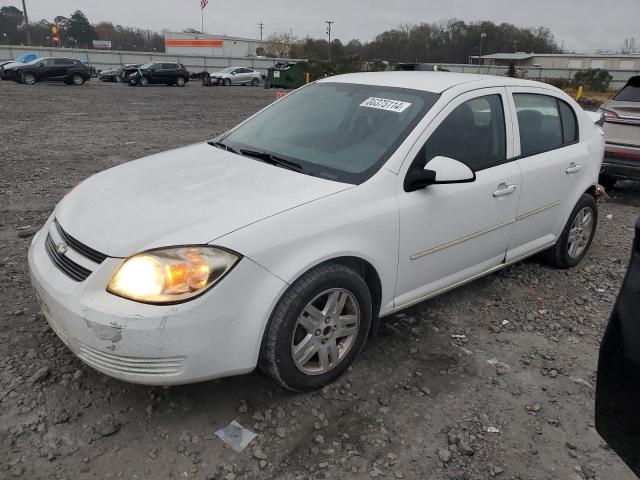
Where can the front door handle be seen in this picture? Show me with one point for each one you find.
(573, 168)
(504, 189)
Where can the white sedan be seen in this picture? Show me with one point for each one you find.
(280, 243)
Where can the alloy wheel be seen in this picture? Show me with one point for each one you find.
(180, 82)
(580, 232)
(29, 78)
(325, 332)
(77, 80)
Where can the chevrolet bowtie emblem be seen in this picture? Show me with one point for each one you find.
(61, 248)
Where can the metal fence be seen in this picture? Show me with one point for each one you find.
(103, 59)
(620, 77)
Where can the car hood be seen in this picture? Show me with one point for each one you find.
(191, 195)
(13, 65)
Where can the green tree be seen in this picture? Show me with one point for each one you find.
(78, 32)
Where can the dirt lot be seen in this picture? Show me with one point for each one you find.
(494, 380)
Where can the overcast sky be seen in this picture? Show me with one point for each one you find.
(583, 25)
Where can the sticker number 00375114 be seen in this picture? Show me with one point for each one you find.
(386, 104)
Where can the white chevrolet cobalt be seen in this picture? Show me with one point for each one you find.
(280, 243)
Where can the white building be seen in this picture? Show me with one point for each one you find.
(178, 43)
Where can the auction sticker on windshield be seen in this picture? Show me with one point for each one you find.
(385, 104)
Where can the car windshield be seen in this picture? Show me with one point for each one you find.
(146, 66)
(631, 91)
(338, 131)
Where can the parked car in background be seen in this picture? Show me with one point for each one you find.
(236, 76)
(21, 60)
(67, 70)
(618, 385)
(117, 74)
(622, 132)
(281, 242)
(159, 73)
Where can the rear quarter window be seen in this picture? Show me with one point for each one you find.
(630, 92)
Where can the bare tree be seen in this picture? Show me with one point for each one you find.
(629, 45)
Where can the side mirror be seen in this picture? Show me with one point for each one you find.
(439, 170)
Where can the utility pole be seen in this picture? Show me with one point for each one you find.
(26, 22)
(483, 35)
(261, 27)
(329, 23)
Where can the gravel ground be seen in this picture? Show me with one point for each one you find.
(493, 380)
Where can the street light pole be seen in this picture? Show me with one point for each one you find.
(483, 35)
(329, 23)
(26, 22)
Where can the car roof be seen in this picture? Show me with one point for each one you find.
(435, 82)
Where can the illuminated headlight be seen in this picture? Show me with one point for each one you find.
(171, 275)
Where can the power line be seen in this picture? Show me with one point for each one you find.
(329, 23)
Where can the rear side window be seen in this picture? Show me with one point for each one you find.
(569, 123)
(473, 133)
(630, 92)
(545, 123)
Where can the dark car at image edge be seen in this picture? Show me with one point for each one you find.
(67, 70)
(618, 386)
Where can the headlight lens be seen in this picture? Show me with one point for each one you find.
(171, 275)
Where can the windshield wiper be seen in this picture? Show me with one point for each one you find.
(271, 158)
(223, 146)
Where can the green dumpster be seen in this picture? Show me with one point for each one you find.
(286, 75)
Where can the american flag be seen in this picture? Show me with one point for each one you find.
(203, 3)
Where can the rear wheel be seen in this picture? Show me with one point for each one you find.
(77, 79)
(180, 81)
(317, 329)
(255, 82)
(576, 238)
(29, 78)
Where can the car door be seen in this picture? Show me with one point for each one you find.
(170, 71)
(61, 68)
(46, 69)
(156, 73)
(451, 233)
(551, 160)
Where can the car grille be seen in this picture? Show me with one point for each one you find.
(107, 362)
(67, 266)
(57, 253)
(79, 247)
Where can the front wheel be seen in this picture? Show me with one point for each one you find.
(576, 238)
(29, 78)
(227, 82)
(317, 329)
(117, 79)
(143, 82)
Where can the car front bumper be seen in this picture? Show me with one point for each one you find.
(215, 335)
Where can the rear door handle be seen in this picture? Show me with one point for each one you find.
(504, 189)
(574, 167)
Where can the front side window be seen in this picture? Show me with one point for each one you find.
(64, 61)
(338, 131)
(545, 123)
(473, 133)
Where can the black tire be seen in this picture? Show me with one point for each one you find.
(28, 78)
(255, 82)
(227, 82)
(143, 82)
(558, 255)
(77, 79)
(607, 182)
(181, 82)
(276, 353)
(117, 79)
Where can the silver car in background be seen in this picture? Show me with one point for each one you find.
(236, 76)
(622, 133)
